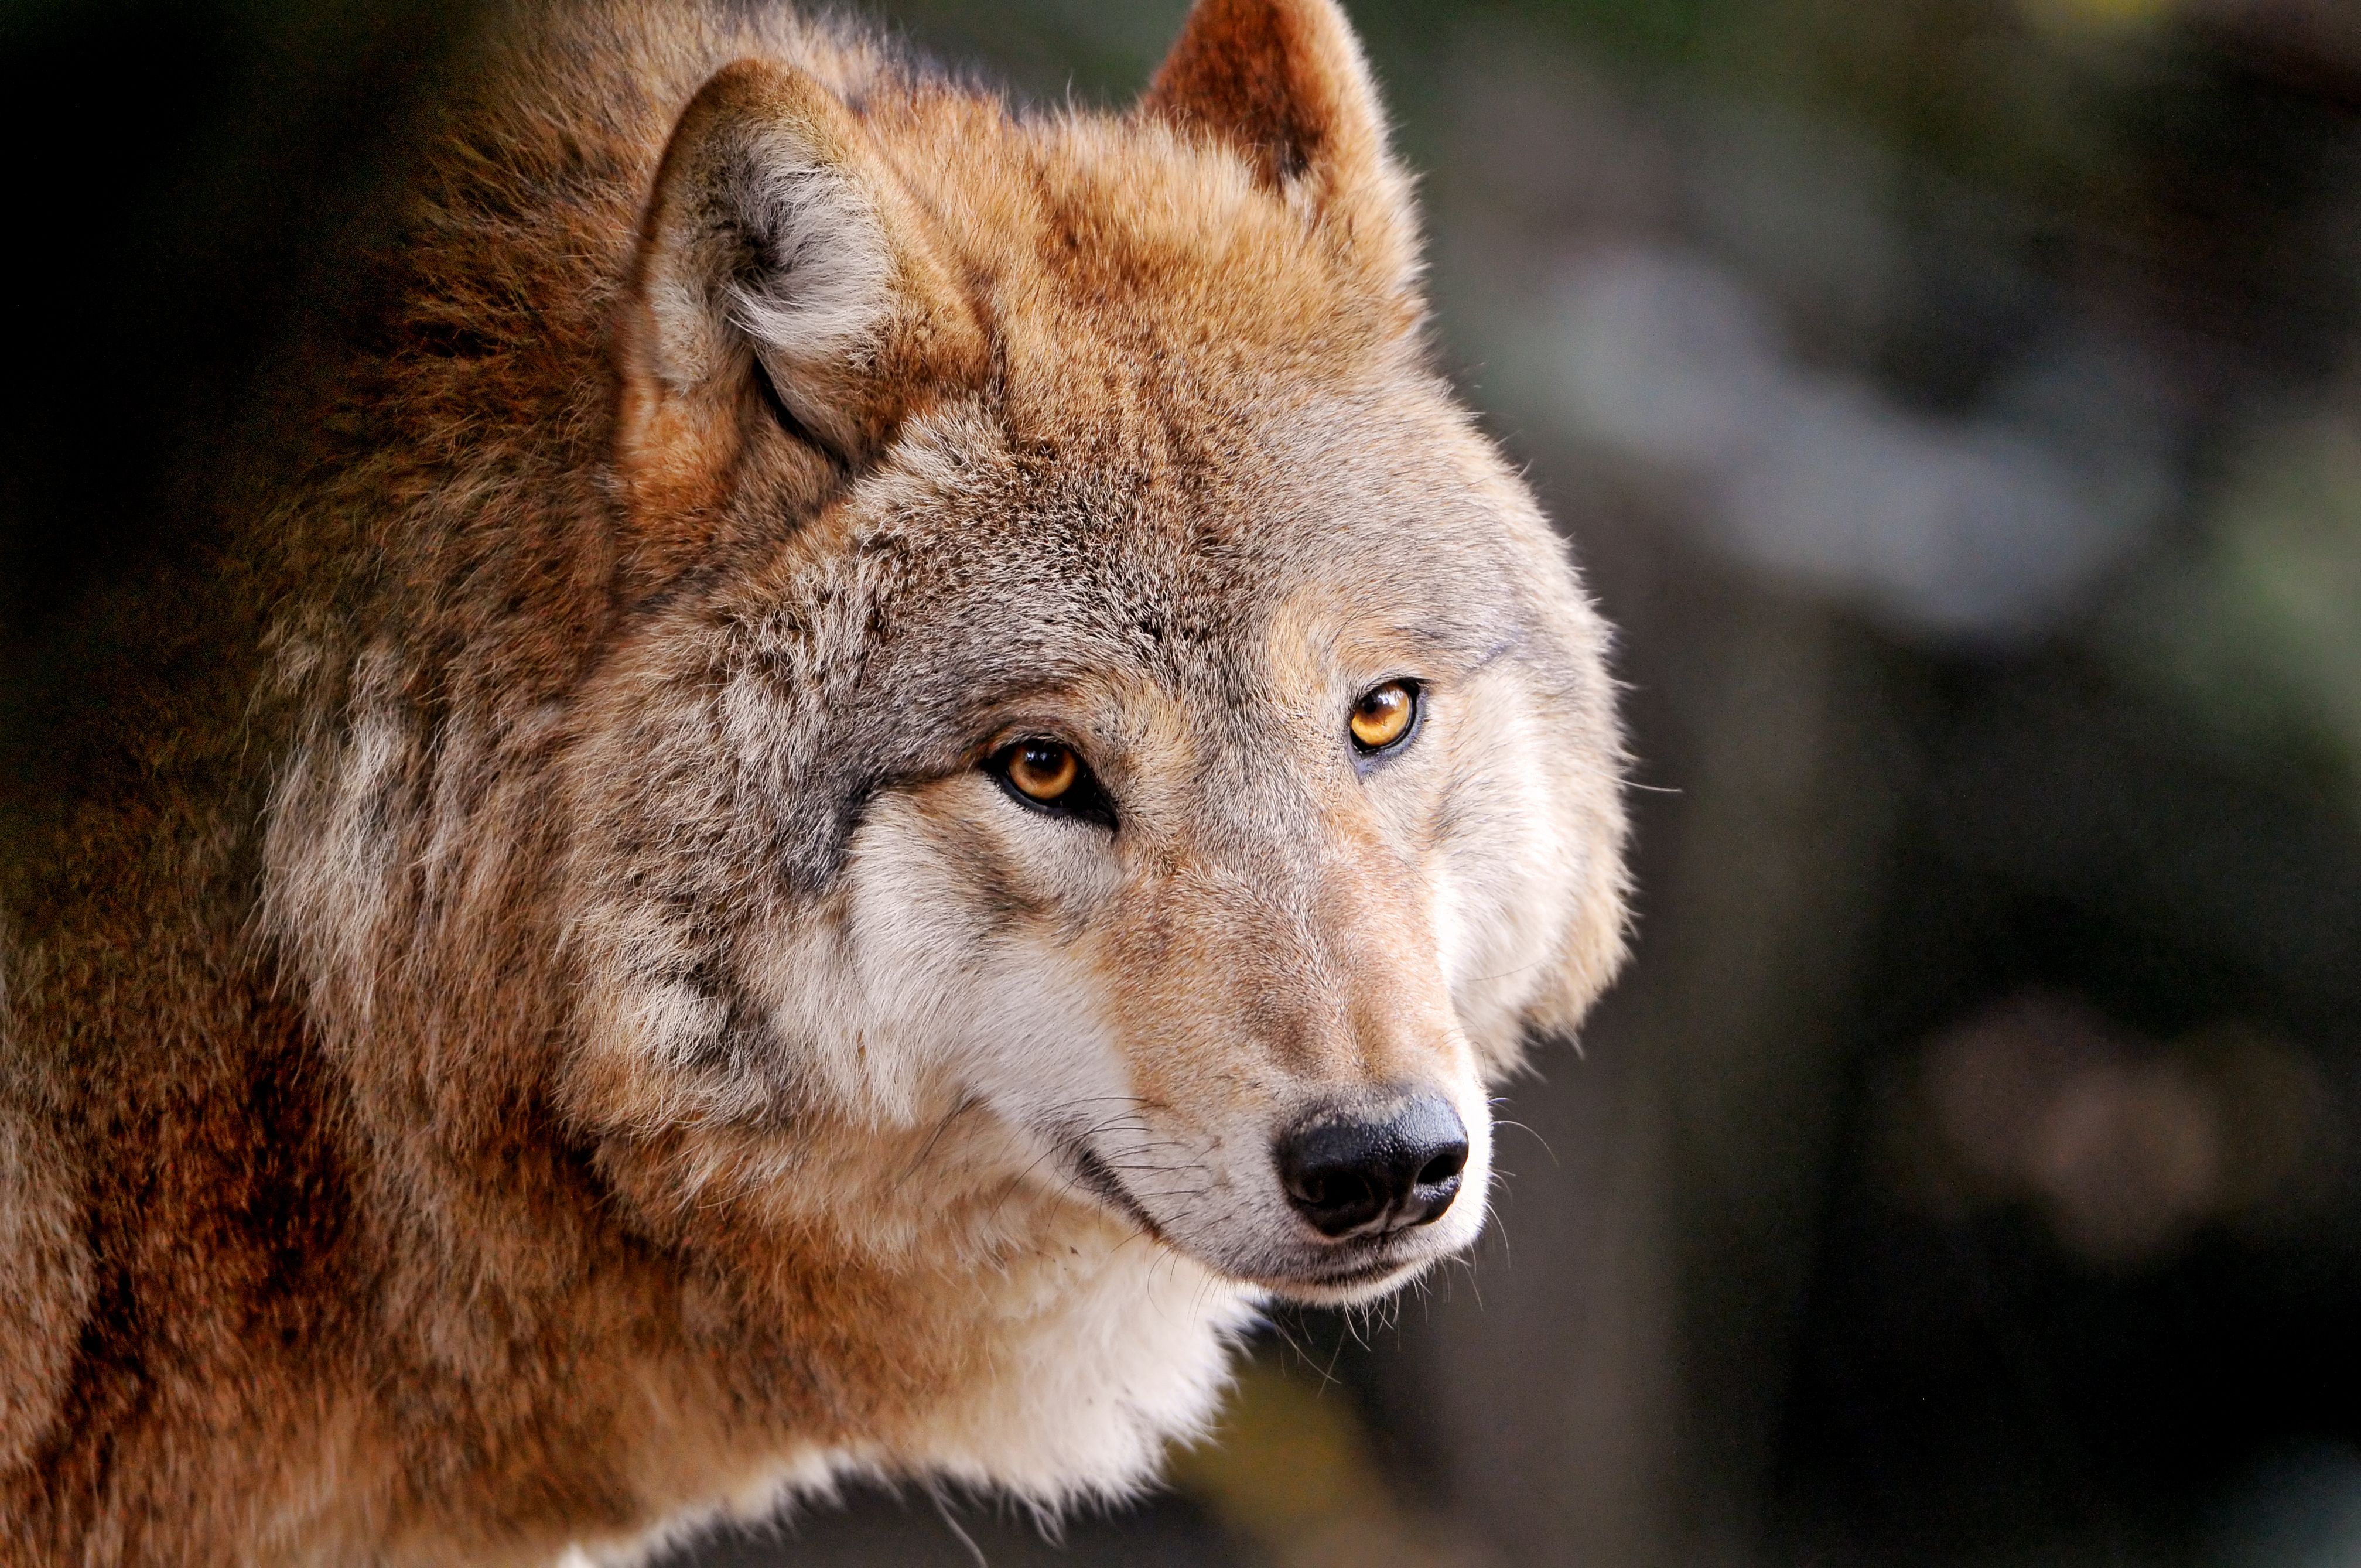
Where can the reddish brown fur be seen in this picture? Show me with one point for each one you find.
(336, 1225)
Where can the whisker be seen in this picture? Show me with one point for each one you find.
(1504, 1122)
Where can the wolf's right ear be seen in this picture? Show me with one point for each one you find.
(778, 250)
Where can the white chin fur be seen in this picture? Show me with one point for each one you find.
(1118, 1355)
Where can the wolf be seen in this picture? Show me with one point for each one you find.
(862, 766)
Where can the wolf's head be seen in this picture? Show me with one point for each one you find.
(1083, 677)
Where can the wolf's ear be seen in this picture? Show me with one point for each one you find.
(780, 250)
(1282, 81)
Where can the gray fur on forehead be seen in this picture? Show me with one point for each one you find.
(1170, 539)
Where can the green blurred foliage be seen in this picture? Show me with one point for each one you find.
(2258, 625)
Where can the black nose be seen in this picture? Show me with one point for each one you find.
(1350, 1175)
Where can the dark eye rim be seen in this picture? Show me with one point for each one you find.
(1366, 757)
(1085, 799)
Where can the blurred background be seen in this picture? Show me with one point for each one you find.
(1958, 405)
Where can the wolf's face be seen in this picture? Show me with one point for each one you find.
(1114, 699)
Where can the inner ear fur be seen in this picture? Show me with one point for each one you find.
(1283, 83)
(778, 247)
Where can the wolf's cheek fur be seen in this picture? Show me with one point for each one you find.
(960, 933)
(1507, 853)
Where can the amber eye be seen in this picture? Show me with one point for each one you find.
(1051, 776)
(1043, 770)
(1383, 717)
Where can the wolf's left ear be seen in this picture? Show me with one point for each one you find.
(780, 255)
(1284, 84)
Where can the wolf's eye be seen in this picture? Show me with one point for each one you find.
(1384, 717)
(1049, 776)
(1043, 771)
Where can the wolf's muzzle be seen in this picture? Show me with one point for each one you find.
(1351, 1174)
